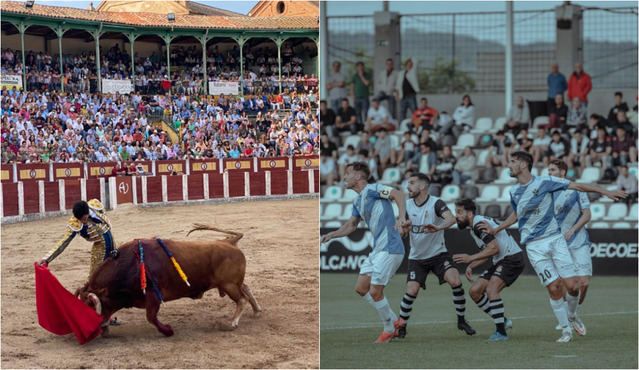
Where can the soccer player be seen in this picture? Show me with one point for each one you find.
(428, 217)
(507, 265)
(533, 209)
(373, 204)
(572, 210)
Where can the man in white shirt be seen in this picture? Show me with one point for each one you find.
(336, 86)
(386, 82)
(378, 118)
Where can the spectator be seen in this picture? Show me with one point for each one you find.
(346, 119)
(336, 86)
(407, 88)
(384, 151)
(327, 147)
(628, 183)
(328, 117)
(518, 117)
(386, 84)
(557, 149)
(558, 113)
(425, 116)
(378, 118)
(347, 158)
(620, 106)
(425, 160)
(540, 145)
(577, 116)
(557, 84)
(445, 167)
(328, 170)
(600, 150)
(360, 91)
(579, 85)
(464, 115)
(408, 148)
(622, 122)
(500, 150)
(465, 167)
(579, 144)
(621, 145)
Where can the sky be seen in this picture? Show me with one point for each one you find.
(336, 8)
(238, 6)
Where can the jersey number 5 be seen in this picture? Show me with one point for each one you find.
(412, 275)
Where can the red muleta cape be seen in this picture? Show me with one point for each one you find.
(62, 313)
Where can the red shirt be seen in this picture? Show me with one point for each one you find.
(579, 86)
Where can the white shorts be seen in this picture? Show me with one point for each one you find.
(551, 259)
(381, 266)
(581, 258)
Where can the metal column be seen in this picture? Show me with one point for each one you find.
(509, 57)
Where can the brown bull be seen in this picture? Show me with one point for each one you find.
(208, 264)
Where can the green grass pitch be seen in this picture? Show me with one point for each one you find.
(349, 326)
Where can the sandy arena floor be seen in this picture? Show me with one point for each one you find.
(281, 246)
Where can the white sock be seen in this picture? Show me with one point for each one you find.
(386, 314)
(560, 309)
(572, 303)
(369, 299)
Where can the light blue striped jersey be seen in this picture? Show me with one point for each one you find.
(506, 244)
(533, 203)
(568, 206)
(373, 205)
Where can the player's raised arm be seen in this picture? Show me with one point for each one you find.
(441, 209)
(614, 195)
(346, 229)
(483, 226)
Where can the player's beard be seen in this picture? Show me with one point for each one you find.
(412, 194)
(462, 224)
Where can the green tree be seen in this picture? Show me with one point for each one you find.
(446, 78)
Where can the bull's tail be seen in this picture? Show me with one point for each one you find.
(233, 236)
(249, 295)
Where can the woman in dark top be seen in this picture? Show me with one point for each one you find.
(558, 112)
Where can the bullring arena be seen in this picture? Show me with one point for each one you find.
(281, 270)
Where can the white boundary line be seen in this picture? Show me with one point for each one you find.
(438, 322)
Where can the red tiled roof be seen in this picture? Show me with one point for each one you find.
(159, 20)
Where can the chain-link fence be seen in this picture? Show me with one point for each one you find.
(462, 52)
(610, 46)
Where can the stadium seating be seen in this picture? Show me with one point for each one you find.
(349, 195)
(621, 225)
(483, 124)
(499, 124)
(482, 157)
(632, 215)
(450, 193)
(598, 211)
(332, 193)
(464, 141)
(334, 224)
(347, 213)
(540, 120)
(505, 195)
(435, 190)
(589, 175)
(606, 199)
(599, 225)
(493, 211)
(616, 212)
(489, 193)
(391, 175)
(504, 177)
(331, 212)
(470, 192)
(352, 140)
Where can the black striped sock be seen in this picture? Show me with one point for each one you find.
(406, 306)
(484, 304)
(497, 312)
(460, 302)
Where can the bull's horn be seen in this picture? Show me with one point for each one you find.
(96, 301)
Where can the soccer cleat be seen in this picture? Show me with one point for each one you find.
(385, 337)
(463, 325)
(498, 337)
(566, 335)
(508, 323)
(578, 325)
(400, 328)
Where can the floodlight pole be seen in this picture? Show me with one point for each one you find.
(508, 78)
(323, 54)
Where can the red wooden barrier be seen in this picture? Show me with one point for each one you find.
(300, 182)
(258, 183)
(279, 182)
(174, 188)
(216, 185)
(236, 183)
(31, 197)
(51, 196)
(100, 169)
(196, 186)
(93, 189)
(72, 192)
(10, 199)
(167, 167)
(273, 164)
(6, 173)
(124, 189)
(154, 189)
(203, 165)
(238, 165)
(63, 171)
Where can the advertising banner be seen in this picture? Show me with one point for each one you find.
(224, 87)
(10, 81)
(613, 252)
(119, 86)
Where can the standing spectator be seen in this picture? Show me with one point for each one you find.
(346, 118)
(328, 117)
(378, 118)
(360, 91)
(579, 85)
(386, 83)
(620, 106)
(557, 113)
(384, 151)
(336, 86)
(407, 88)
(518, 117)
(577, 116)
(425, 116)
(557, 84)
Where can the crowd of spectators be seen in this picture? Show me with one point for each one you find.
(425, 136)
(40, 127)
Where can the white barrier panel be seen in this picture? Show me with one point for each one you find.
(224, 87)
(120, 86)
(10, 81)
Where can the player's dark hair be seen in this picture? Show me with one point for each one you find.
(421, 176)
(80, 209)
(560, 164)
(467, 204)
(363, 168)
(619, 94)
(524, 157)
